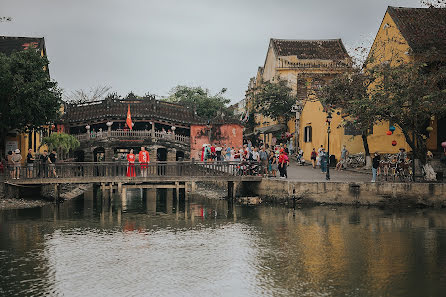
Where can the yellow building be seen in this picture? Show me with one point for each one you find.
(405, 34)
(307, 65)
(15, 139)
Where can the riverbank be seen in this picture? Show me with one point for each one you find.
(31, 200)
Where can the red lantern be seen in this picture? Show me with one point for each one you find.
(394, 143)
(443, 144)
(389, 132)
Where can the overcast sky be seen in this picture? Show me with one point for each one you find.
(152, 46)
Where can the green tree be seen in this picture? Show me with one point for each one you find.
(28, 98)
(349, 93)
(409, 95)
(62, 142)
(275, 100)
(207, 105)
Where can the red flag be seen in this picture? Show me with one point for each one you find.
(129, 119)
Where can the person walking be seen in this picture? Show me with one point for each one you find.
(263, 156)
(218, 155)
(144, 159)
(319, 153)
(52, 158)
(17, 159)
(131, 166)
(30, 164)
(342, 161)
(274, 165)
(228, 153)
(43, 172)
(313, 158)
(375, 166)
(10, 164)
(323, 159)
(283, 163)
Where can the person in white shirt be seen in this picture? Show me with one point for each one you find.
(255, 155)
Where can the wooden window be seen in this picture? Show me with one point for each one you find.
(308, 134)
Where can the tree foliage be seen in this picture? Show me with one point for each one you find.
(28, 98)
(207, 105)
(410, 95)
(434, 3)
(406, 94)
(349, 93)
(61, 141)
(275, 100)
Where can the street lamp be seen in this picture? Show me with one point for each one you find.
(329, 118)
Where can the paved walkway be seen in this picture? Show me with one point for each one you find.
(307, 173)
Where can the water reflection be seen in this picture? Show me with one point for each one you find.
(148, 242)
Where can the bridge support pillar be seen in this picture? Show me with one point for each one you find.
(230, 190)
(56, 192)
(193, 186)
(177, 191)
(169, 201)
(119, 188)
(150, 195)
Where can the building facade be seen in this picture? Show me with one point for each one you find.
(405, 35)
(306, 65)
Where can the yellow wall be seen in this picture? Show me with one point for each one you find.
(314, 116)
(22, 140)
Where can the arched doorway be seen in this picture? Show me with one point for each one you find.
(180, 156)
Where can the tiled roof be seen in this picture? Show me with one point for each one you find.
(330, 49)
(423, 28)
(141, 109)
(9, 44)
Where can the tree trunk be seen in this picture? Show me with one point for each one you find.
(368, 159)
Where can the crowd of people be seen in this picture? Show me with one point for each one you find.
(270, 160)
(17, 167)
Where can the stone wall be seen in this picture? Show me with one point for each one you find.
(220, 134)
(422, 194)
(396, 194)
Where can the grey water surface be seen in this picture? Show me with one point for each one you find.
(150, 244)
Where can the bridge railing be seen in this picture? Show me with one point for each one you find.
(123, 169)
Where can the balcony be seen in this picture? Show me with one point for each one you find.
(132, 135)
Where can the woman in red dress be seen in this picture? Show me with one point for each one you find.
(131, 167)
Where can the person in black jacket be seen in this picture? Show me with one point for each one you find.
(375, 166)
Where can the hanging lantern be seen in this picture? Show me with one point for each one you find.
(389, 132)
(443, 144)
(429, 129)
(392, 129)
(394, 143)
(432, 118)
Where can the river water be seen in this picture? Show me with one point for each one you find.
(148, 244)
